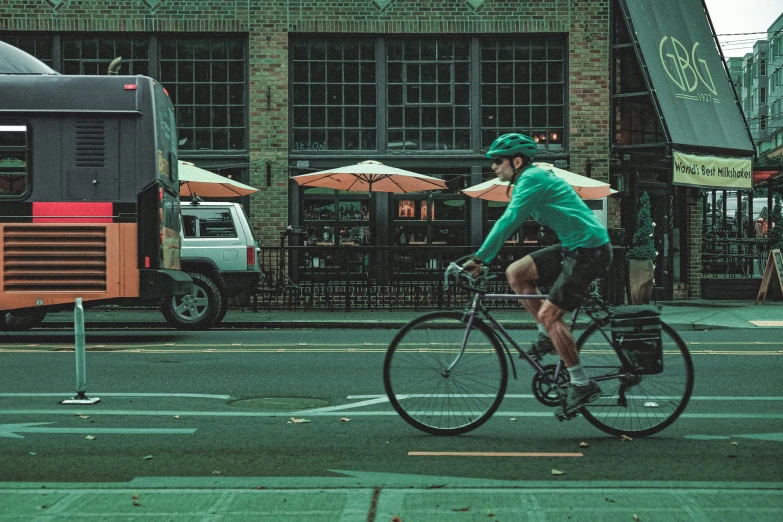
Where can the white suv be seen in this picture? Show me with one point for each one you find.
(220, 253)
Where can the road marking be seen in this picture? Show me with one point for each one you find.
(487, 454)
(10, 431)
(348, 412)
(531, 396)
(773, 437)
(767, 323)
(132, 394)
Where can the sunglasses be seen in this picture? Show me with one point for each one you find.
(500, 159)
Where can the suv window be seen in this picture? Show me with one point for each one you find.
(208, 222)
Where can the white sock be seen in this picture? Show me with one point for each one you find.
(578, 376)
(542, 330)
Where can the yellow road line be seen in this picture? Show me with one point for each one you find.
(488, 454)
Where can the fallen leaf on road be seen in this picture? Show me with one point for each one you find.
(176, 417)
(583, 445)
(89, 437)
(735, 443)
(135, 497)
(513, 419)
(84, 416)
(31, 453)
(398, 518)
(608, 499)
(461, 510)
(557, 472)
(625, 438)
(216, 472)
(490, 513)
(345, 419)
(148, 457)
(635, 518)
(294, 420)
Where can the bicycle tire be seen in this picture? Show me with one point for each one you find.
(653, 402)
(441, 404)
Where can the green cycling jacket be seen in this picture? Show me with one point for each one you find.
(549, 199)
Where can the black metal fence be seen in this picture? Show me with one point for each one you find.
(366, 277)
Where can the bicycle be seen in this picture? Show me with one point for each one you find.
(446, 372)
(275, 282)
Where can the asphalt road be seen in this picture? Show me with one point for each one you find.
(220, 404)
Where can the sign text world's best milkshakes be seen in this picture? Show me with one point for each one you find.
(712, 171)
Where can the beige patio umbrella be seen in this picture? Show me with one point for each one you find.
(587, 188)
(195, 180)
(370, 176)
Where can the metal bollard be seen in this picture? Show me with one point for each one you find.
(81, 363)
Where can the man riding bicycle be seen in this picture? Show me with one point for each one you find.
(567, 269)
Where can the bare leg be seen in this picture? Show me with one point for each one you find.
(551, 316)
(521, 274)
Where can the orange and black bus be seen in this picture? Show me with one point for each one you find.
(89, 195)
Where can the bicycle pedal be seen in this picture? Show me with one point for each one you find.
(562, 415)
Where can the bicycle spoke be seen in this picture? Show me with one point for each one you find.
(437, 387)
(636, 405)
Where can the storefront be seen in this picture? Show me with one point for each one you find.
(678, 133)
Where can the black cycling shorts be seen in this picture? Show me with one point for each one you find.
(568, 273)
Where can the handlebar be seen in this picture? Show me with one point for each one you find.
(465, 278)
(291, 231)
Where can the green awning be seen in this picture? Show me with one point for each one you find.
(687, 76)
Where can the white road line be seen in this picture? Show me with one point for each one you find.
(130, 394)
(531, 396)
(70, 410)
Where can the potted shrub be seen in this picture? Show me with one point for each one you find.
(641, 254)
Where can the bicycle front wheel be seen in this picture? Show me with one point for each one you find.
(435, 385)
(632, 404)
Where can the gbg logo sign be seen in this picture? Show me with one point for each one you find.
(686, 69)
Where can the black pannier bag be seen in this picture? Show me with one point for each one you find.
(636, 333)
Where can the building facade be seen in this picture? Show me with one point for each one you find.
(266, 90)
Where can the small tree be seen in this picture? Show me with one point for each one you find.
(642, 246)
(775, 234)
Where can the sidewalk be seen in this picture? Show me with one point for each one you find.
(682, 315)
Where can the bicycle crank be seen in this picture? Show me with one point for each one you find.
(547, 390)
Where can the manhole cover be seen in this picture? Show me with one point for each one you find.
(278, 403)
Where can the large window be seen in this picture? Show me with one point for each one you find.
(334, 95)
(13, 158)
(206, 77)
(206, 80)
(432, 218)
(40, 47)
(429, 94)
(523, 89)
(93, 55)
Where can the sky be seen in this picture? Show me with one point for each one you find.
(742, 16)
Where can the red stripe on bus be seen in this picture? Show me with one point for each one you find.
(72, 212)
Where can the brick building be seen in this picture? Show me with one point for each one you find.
(265, 90)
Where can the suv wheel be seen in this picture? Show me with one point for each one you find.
(196, 311)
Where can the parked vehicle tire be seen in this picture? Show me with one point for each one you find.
(21, 320)
(223, 311)
(196, 311)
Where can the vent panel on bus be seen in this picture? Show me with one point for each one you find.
(90, 144)
(41, 258)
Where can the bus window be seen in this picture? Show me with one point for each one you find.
(13, 158)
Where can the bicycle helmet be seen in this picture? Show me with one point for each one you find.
(512, 144)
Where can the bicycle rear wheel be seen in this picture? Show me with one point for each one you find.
(631, 404)
(431, 391)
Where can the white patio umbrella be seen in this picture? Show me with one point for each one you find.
(370, 176)
(195, 180)
(587, 188)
